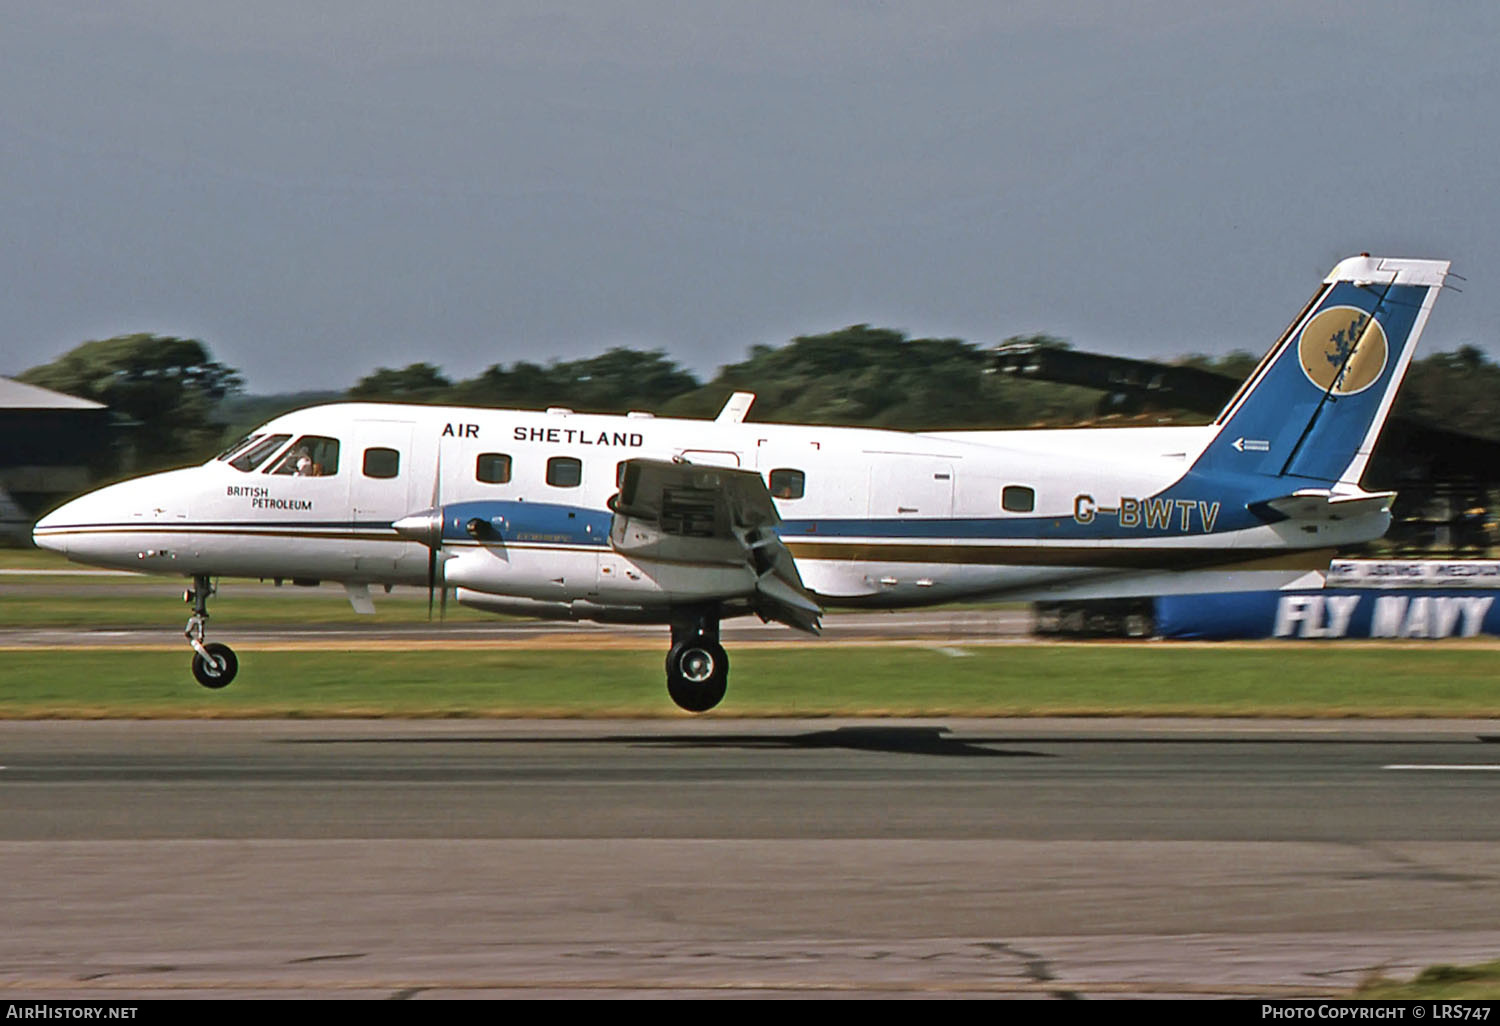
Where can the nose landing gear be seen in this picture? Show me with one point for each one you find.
(214, 664)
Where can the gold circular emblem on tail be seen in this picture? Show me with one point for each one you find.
(1343, 349)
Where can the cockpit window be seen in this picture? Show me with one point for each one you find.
(237, 446)
(257, 453)
(310, 456)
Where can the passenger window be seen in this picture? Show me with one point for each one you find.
(257, 454)
(564, 472)
(310, 456)
(382, 463)
(788, 484)
(492, 468)
(1017, 499)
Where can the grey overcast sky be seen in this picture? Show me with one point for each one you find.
(319, 187)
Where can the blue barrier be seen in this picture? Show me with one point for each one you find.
(1330, 613)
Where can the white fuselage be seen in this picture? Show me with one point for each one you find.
(872, 517)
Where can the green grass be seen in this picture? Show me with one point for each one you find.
(29, 558)
(808, 679)
(803, 680)
(1439, 983)
(111, 603)
(108, 602)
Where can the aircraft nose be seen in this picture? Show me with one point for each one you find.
(46, 533)
(113, 525)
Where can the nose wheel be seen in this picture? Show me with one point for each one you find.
(214, 664)
(697, 665)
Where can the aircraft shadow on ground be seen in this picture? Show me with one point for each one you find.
(899, 740)
(892, 740)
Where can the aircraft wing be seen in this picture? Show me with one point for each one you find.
(694, 514)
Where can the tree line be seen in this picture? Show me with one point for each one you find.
(176, 404)
(858, 375)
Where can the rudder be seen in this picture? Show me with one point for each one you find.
(1315, 405)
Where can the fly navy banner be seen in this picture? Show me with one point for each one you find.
(1384, 612)
(1414, 573)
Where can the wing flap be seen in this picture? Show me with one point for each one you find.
(787, 603)
(687, 514)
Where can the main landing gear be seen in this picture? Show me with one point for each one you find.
(697, 665)
(214, 664)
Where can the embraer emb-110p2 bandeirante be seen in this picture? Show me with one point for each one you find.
(637, 519)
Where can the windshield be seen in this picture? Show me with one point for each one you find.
(237, 446)
(257, 453)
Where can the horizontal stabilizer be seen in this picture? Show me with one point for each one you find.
(1320, 504)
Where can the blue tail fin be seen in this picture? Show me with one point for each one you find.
(1314, 407)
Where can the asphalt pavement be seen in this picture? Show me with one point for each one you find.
(825, 857)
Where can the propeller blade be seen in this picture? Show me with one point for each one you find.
(433, 566)
(431, 577)
(427, 527)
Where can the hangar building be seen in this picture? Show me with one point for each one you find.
(54, 447)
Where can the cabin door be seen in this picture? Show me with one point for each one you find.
(910, 486)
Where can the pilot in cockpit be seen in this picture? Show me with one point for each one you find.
(302, 462)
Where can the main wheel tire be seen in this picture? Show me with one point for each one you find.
(219, 669)
(697, 674)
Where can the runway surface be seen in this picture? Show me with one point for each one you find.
(892, 858)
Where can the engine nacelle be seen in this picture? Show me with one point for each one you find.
(578, 609)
